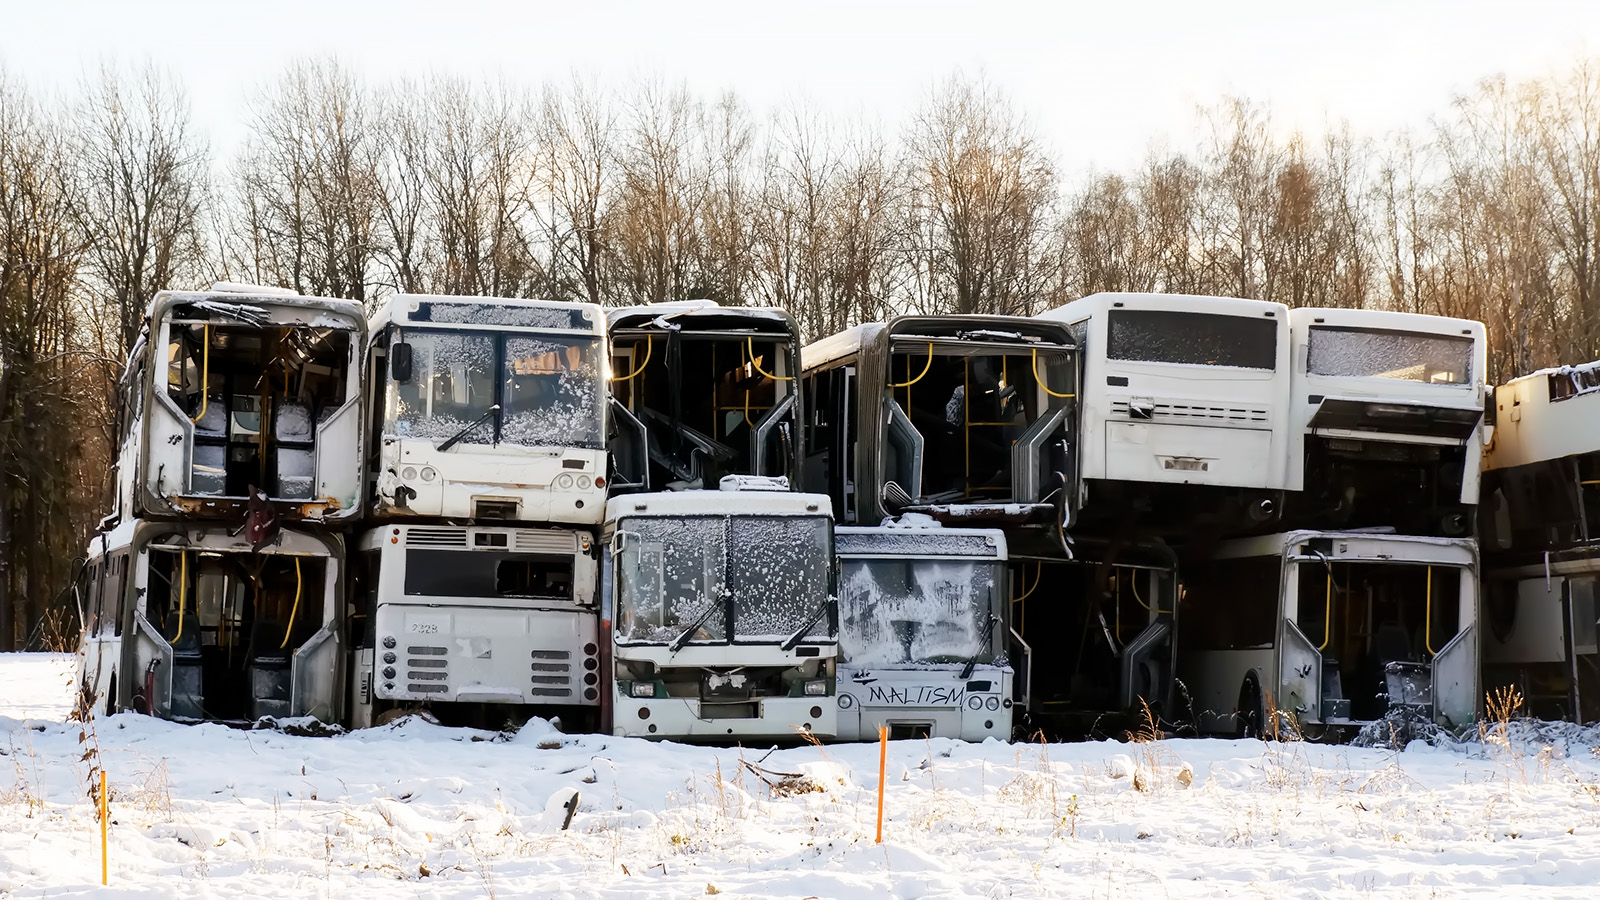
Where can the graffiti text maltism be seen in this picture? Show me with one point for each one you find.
(916, 694)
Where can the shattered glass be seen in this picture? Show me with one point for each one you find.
(916, 611)
(1377, 353)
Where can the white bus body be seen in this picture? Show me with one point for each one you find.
(240, 388)
(192, 624)
(922, 632)
(1542, 467)
(475, 615)
(494, 409)
(1386, 416)
(1182, 390)
(721, 614)
(1332, 629)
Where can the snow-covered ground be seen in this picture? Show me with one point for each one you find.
(420, 810)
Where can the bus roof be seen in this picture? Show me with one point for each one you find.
(490, 312)
(718, 503)
(926, 542)
(1389, 320)
(1085, 307)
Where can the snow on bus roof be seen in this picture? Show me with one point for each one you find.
(1302, 316)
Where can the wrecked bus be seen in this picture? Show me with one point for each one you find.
(239, 393)
(1315, 631)
(1184, 410)
(973, 421)
(481, 624)
(188, 621)
(1387, 414)
(488, 408)
(723, 618)
(922, 634)
(700, 392)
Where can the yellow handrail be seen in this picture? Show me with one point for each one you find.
(1135, 582)
(1037, 569)
(183, 589)
(1327, 612)
(925, 367)
(1427, 632)
(649, 345)
(750, 343)
(294, 609)
(1040, 381)
(205, 373)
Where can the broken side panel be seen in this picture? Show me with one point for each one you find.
(216, 631)
(701, 392)
(1389, 421)
(1540, 626)
(242, 394)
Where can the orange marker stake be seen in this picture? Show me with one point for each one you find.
(104, 870)
(883, 766)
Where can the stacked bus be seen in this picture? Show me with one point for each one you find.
(474, 584)
(972, 421)
(214, 589)
(1541, 539)
(1387, 427)
(718, 584)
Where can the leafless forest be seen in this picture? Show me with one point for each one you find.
(648, 192)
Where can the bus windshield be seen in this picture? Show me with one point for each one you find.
(1378, 353)
(770, 573)
(917, 611)
(1193, 338)
(549, 389)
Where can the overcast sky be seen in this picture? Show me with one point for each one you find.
(1101, 81)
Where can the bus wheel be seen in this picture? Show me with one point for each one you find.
(1251, 715)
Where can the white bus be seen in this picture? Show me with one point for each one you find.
(1542, 466)
(1387, 411)
(701, 392)
(488, 408)
(1184, 406)
(922, 633)
(188, 621)
(1332, 630)
(475, 623)
(721, 613)
(1539, 526)
(242, 391)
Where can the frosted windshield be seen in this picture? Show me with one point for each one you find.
(916, 611)
(548, 388)
(551, 396)
(1192, 338)
(769, 572)
(1401, 355)
(452, 385)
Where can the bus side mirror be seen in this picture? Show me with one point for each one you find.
(1490, 411)
(400, 361)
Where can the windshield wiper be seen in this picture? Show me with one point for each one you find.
(456, 438)
(822, 610)
(680, 640)
(983, 644)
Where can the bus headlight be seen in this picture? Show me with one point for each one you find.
(429, 473)
(644, 689)
(409, 473)
(564, 481)
(584, 482)
(817, 688)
